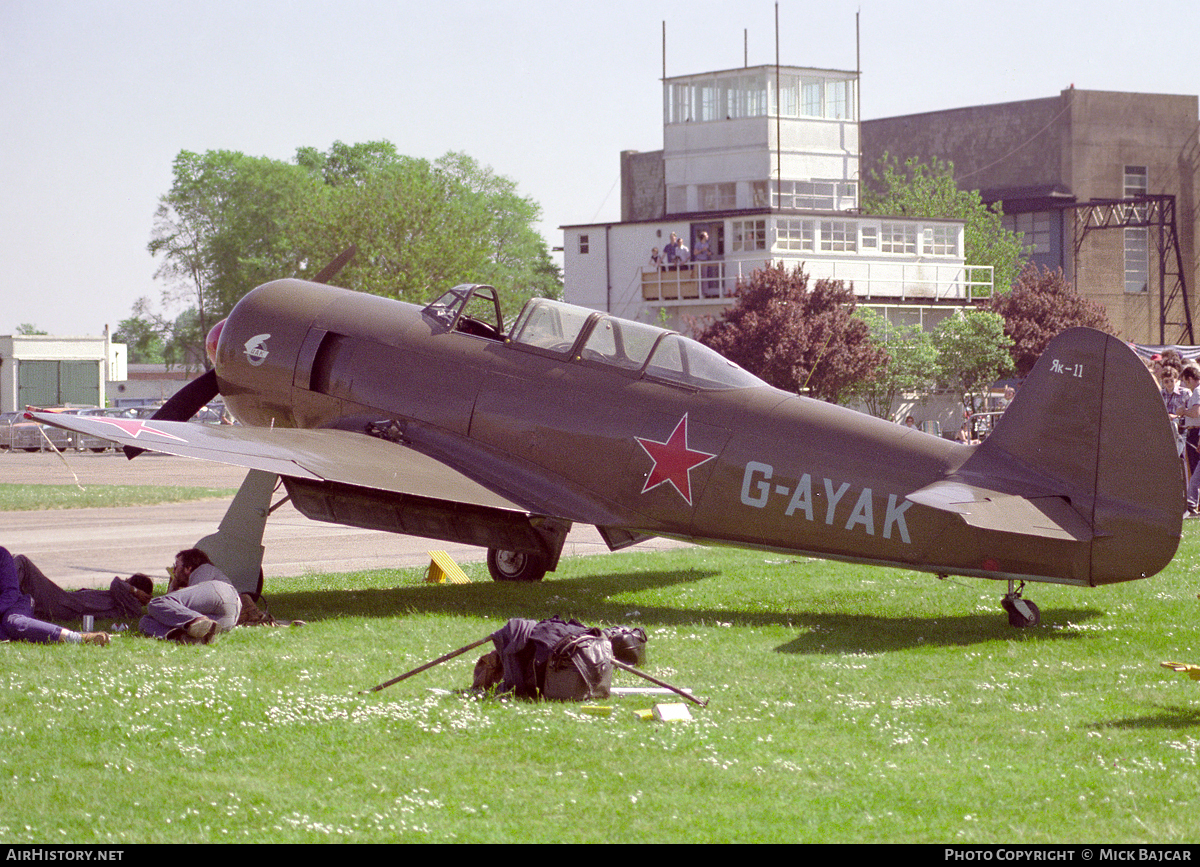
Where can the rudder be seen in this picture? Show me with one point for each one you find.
(1089, 425)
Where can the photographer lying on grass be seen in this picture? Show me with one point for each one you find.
(200, 602)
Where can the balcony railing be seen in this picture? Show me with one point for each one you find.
(716, 281)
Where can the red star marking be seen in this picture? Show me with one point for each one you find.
(673, 461)
(135, 428)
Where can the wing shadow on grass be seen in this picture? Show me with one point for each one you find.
(587, 599)
(593, 600)
(1165, 718)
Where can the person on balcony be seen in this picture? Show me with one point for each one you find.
(676, 253)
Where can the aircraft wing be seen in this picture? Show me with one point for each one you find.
(323, 455)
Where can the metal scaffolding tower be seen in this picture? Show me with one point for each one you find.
(1152, 212)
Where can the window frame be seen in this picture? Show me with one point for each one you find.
(753, 229)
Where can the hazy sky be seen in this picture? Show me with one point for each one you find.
(99, 97)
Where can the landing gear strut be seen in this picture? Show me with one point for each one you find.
(1021, 612)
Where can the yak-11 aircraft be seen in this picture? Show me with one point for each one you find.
(441, 422)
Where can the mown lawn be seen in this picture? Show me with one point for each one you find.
(25, 498)
(846, 704)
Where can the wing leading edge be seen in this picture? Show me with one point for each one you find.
(324, 455)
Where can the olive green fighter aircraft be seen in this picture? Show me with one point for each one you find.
(441, 422)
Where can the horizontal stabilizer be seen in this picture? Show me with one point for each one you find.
(1039, 517)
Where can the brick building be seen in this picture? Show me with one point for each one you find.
(1102, 184)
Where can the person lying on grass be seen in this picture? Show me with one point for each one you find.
(17, 622)
(200, 602)
(123, 600)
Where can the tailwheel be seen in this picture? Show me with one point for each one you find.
(1022, 613)
(515, 565)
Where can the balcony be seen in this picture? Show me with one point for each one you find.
(716, 282)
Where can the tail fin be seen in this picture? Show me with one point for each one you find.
(1088, 425)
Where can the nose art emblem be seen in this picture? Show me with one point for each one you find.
(256, 349)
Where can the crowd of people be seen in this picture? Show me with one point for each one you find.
(676, 252)
(1179, 383)
(704, 257)
(200, 603)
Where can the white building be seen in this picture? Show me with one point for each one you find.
(40, 370)
(147, 384)
(765, 160)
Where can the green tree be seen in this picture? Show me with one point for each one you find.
(231, 222)
(346, 164)
(142, 338)
(516, 260)
(919, 190)
(184, 343)
(155, 338)
(973, 352)
(415, 236)
(422, 226)
(28, 329)
(908, 367)
(794, 337)
(223, 228)
(1042, 304)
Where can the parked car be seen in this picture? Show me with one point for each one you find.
(211, 414)
(19, 433)
(29, 436)
(214, 413)
(7, 420)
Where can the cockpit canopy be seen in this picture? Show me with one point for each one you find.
(580, 335)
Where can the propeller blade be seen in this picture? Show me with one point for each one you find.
(330, 271)
(184, 404)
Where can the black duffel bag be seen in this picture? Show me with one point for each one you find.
(628, 643)
(579, 668)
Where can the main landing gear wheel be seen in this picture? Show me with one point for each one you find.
(515, 566)
(1022, 613)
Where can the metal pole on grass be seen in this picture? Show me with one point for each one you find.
(664, 684)
(431, 664)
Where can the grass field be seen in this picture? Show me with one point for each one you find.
(846, 704)
(23, 498)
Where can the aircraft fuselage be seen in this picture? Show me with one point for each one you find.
(620, 446)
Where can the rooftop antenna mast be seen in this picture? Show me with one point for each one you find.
(664, 49)
(778, 114)
(858, 100)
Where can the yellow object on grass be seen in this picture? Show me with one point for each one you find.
(1192, 671)
(443, 570)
